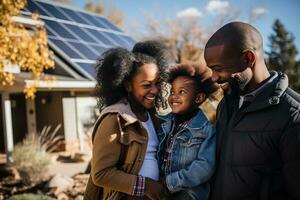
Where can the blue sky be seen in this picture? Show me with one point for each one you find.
(288, 11)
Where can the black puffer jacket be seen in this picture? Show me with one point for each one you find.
(258, 147)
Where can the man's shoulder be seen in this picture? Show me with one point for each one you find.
(292, 98)
(290, 101)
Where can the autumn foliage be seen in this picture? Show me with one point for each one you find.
(22, 46)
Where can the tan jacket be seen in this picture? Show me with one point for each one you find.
(116, 126)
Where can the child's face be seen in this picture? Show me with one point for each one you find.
(183, 94)
(144, 85)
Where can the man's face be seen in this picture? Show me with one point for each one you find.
(227, 67)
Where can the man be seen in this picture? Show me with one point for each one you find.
(258, 120)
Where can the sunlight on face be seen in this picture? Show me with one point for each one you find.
(144, 85)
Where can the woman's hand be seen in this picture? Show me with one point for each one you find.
(155, 190)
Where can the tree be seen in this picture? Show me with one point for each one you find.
(282, 55)
(112, 12)
(21, 47)
(187, 35)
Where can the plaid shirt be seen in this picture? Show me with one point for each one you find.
(139, 187)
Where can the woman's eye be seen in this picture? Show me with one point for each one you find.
(146, 86)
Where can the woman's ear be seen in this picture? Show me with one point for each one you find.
(128, 86)
(200, 97)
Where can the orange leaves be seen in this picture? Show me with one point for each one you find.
(22, 46)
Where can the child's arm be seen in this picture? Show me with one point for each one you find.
(200, 170)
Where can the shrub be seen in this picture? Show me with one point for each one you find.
(30, 197)
(31, 159)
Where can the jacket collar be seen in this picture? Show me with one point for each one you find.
(123, 109)
(197, 120)
(270, 95)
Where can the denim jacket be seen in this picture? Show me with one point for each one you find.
(192, 157)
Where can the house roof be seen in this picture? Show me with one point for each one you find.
(60, 83)
(78, 37)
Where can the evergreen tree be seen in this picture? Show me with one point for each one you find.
(283, 54)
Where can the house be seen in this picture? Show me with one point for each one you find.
(77, 39)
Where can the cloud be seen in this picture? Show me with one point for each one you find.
(189, 13)
(216, 7)
(259, 11)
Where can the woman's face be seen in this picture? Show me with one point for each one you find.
(144, 85)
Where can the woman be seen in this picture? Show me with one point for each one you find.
(124, 161)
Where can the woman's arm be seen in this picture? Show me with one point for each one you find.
(106, 153)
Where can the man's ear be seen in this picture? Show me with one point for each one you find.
(200, 98)
(249, 58)
(128, 86)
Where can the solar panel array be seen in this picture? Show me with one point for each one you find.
(78, 36)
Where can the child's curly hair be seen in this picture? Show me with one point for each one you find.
(116, 66)
(199, 72)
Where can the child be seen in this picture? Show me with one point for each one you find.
(187, 138)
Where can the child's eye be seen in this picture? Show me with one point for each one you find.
(171, 92)
(181, 92)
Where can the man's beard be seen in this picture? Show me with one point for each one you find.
(241, 80)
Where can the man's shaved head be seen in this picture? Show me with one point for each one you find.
(235, 52)
(235, 38)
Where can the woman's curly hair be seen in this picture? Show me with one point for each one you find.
(116, 66)
(201, 75)
(112, 68)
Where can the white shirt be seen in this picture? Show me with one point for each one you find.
(150, 165)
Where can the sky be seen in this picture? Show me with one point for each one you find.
(264, 11)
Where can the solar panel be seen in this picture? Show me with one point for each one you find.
(59, 29)
(100, 36)
(74, 16)
(90, 68)
(92, 20)
(32, 7)
(99, 49)
(85, 50)
(107, 23)
(78, 36)
(81, 33)
(66, 48)
(53, 11)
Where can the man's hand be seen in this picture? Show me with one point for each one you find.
(155, 190)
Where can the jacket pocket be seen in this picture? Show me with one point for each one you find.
(188, 149)
(188, 140)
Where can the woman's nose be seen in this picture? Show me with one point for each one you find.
(154, 90)
(214, 77)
